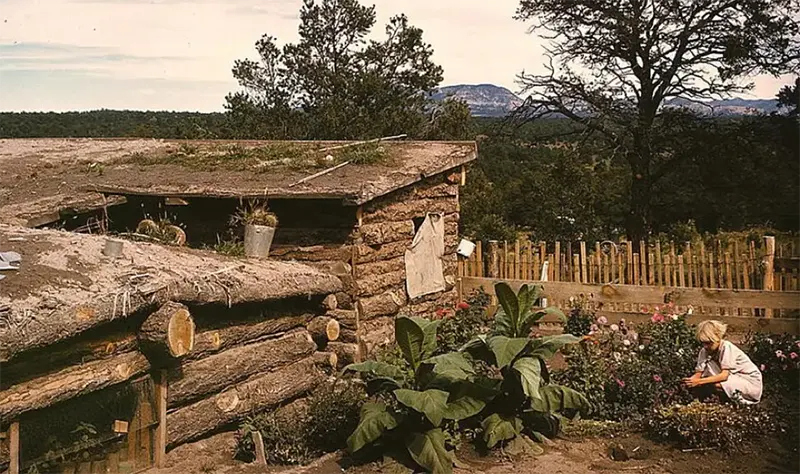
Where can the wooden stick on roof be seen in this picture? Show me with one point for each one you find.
(340, 165)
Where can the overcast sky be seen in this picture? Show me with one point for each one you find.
(177, 54)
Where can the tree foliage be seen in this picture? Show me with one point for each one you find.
(615, 66)
(334, 83)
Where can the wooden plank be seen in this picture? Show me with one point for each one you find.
(258, 442)
(702, 266)
(112, 463)
(631, 294)
(681, 279)
(728, 273)
(737, 276)
(673, 261)
(767, 264)
(479, 257)
(535, 262)
(542, 258)
(712, 280)
(614, 271)
(576, 268)
(629, 263)
(505, 259)
(160, 442)
(636, 269)
(517, 260)
(687, 251)
(13, 448)
(643, 261)
(557, 262)
(494, 260)
(584, 263)
(651, 278)
(659, 265)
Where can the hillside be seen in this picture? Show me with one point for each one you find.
(484, 100)
(488, 100)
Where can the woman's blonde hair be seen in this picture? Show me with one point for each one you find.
(711, 331)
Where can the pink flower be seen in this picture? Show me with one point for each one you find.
(657, 378)
(793, 355)
(462, 305)
(657, 318)
(614, 327)
(621, 383)
(798, 343)
(763, 367)
(602, 320)
(779, 354)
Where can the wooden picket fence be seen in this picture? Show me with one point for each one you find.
(736, 266)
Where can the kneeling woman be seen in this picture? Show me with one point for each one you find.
(723, 368)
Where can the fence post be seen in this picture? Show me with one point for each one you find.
(769, 268)
(494, 259)
(13, 446)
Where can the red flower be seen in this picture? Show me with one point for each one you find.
(441, 312)
(657, 318)
(621, 383)
(462, 305)
(657, 378)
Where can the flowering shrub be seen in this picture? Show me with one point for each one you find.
(580, 318)
(778, 358)
(461, 323)
(710, 425)
(624, 373)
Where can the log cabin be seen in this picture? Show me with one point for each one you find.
(350, 209)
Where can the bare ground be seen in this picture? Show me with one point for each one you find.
(214, 456)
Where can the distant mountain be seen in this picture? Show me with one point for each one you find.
(735, 106)
(484, 100)
(488, 100)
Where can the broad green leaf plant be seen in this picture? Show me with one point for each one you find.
(525, 396)
(434, 390)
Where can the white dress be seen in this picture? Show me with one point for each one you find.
(744, 383)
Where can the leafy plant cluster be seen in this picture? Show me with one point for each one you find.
(254, 214)
(299, 434)
(510, 403)
(461, 324)
(710, 425)
(626, 373)
(778, 358)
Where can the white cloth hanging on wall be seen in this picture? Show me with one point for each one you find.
(424, 268)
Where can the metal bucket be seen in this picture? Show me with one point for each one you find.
(258, 240)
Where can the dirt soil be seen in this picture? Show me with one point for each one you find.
(214, 456)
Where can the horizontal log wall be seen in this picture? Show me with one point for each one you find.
(386, 231)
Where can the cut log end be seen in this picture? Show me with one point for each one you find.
(180, 334)
(167, 334)
(324, 329)
(326, 360)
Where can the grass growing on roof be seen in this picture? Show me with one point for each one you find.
(262, 158)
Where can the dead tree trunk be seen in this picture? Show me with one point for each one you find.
(193, 421)
(323, 329)
(167, 334)
(197, 379)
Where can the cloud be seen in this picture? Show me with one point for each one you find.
(183, 50)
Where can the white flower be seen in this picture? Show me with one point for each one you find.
(614, 327)
(674, 317)
(626, 342)
(616, 355)
(680, 351)
(690, 310)
(641, 347)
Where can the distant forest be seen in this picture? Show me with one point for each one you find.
(114, 123)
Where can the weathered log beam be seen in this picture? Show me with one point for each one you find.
(326, 361)
(69, 383)
(348, 335)
(347, 318)
(381, 267)
(193, 421)
(408, 210)
(385, 232)
(376, 284)
(384, 304)
(373, 253)
(218, 340)
(323, 329)
(63, 355)
(347, 353)
(376, 333)
(167, 334)
(199, 378)
(314, 253)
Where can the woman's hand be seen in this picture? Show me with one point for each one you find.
(692, 382)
